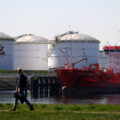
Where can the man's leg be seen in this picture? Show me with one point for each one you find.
(29, 104)
(24, 93)
(15, 104)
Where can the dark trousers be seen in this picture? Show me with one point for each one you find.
(23, 91)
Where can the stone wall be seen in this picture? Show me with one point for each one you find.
(8, 82)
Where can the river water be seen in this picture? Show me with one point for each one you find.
(7, 97)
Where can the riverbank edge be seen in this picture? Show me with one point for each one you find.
(61, 112)
(93, 108)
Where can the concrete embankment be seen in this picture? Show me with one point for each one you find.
(8, 81)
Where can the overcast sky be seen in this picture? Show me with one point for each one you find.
(47, 18)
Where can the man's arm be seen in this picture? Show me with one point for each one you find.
(18, 83)
(16, 88)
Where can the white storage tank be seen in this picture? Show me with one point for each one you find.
(102, 59)
(30, 52)
(70, 47)
(6, 52)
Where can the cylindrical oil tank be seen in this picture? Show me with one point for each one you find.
(70, 48)
(6, 52)
(102, 59)
(30, 52)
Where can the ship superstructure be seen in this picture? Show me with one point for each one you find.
(113, 58)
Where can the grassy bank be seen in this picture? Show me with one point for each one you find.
(61, 112)
(25, 71)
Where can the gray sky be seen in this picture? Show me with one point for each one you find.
(47, 18)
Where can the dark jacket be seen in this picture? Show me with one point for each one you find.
(22, 84)
(21, 81)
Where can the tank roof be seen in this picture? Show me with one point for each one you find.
(30, 38)
(3, 36)
(75, 36)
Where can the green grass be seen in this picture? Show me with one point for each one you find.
(61, 112)
(25, 71)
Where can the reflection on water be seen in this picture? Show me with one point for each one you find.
(93, 99)
(7, 97)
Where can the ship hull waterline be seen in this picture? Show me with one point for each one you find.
(75, 81)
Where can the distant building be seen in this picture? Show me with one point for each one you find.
(102, 59)
(70, 47)
(6, 52)
(30, 52)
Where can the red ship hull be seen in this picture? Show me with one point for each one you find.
(79, 81)
(87, 77)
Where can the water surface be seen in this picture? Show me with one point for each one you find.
(7, 97)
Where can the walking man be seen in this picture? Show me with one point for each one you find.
(21, 90)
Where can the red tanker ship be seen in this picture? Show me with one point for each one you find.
(91, 78)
